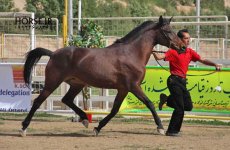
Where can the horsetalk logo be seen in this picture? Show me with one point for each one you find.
(36, 23)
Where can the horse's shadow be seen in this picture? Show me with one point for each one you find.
(48, 134)
(134, 132)
(76, 134)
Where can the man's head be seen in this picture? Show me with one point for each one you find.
(184, 36)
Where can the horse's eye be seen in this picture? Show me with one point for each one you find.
(166, 29)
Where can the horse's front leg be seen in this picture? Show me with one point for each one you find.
(68, 100)
(137, 91)
(117, 104)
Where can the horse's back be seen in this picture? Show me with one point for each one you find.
(66, 55)
(103, 67)
(83, 65)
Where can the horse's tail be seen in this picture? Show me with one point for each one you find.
(32, 57)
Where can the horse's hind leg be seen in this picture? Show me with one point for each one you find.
(68, 100)
(116, 105)
(137, 91)
(51, 84)
(37, 103)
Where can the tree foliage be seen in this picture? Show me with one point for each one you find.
(47, 8)
(122, 8)
(139, 9)
(6, 6)
(210, 7)
(90, 36)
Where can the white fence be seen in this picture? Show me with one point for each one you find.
(95, 103)
(101, 102)
(16, 39)
(119, 26)
(210, 40)
(100, 99)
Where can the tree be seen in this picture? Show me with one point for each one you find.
(139, 9)
(90, 36)
(6, 5)
(46, 8)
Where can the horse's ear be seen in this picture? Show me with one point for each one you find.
(170, 19)
(161, 20)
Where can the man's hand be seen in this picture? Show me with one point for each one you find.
(218, 67)
(158, 56)
(210, 63)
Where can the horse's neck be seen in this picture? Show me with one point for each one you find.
(143, 48)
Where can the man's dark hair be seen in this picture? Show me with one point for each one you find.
(180, 33)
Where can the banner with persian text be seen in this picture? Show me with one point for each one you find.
(210, 93)
(14, 95)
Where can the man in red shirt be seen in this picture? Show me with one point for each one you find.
(179, 97)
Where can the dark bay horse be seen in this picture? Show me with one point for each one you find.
(119, 66)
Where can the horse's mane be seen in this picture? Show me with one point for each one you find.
(145, 26)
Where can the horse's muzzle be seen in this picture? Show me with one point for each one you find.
(180, 49)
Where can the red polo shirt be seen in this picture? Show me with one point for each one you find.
(179, 63)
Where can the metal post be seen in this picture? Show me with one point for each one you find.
(225, 49)
(3, 45)
(66, 7)
(107, 102)
(79, 16)
(57, 31)
(32, 33)
(70, 18)
(64, 26)
(198, 26)
(223, 46)
(64, 30)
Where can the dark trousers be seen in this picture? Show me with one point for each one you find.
(180, 100)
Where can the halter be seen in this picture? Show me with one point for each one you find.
(159, 51)
(166, 36)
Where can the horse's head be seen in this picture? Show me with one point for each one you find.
(167, 37)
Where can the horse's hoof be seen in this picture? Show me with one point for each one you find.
(161, 131)
(96, 132)
(22, 133)
(85, 123)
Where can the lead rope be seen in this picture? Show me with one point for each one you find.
(186, 74)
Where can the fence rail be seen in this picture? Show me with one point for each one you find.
(211, 41)
(16, 38)
(119, 26)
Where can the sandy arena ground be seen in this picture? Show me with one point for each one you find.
(65, 135)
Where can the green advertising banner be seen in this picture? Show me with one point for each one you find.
(210, 93)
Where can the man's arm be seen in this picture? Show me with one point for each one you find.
(158, 56)
(210, 63)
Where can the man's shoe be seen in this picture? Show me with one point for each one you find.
(172, 134)
(163, 99)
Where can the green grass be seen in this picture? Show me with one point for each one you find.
(1, 122)
(133, 120)
(192, 121)
(39, 116)
(205, 122)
